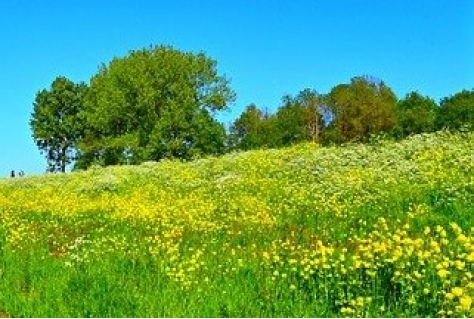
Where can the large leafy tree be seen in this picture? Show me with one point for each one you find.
(416, 114)
(365, 106)
(152, 104)
(457, 111)
(55, 122)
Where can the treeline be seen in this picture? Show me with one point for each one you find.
(159, 103)
(353, 112)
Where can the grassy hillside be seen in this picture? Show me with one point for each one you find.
(362, 230)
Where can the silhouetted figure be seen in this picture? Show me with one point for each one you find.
(12, 174)
(21, 173)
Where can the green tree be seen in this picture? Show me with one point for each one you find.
(365, 106)
(253, 129)
(300, 118)
(457, 111)
(416, 114)
(55, 122)
(154, 103)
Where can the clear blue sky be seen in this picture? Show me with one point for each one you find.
(267, 48)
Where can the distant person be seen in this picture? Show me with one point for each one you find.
(12, 174)
(21, 173)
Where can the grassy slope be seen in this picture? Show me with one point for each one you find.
(360, 230)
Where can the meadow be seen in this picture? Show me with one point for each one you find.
(376, 230)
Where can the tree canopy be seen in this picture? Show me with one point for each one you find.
(457, 111)
(152, 104)
(299, 118)
(361, 108)
(160, 102)
(56, 123)
(253, 129)
(416, 114)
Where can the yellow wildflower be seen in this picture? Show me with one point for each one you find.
(449, 296)
(465, 303)
(457, 291)
(427, 230)
(462, 238)
(470, 257)
(442, 273)
(459, 264)
(347, 310)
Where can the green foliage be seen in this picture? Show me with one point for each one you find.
(416, 114)
(185, 139)
(56, 123)
(299, 119)
(457, 111)
(152, 104)
(252, 130)
(362, 108)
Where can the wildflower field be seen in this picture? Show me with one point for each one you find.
(383, 229)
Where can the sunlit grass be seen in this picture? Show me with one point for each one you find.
(385, 229)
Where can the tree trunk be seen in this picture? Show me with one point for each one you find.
(63, 159)
(315, 130)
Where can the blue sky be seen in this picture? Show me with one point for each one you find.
(268, 48)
